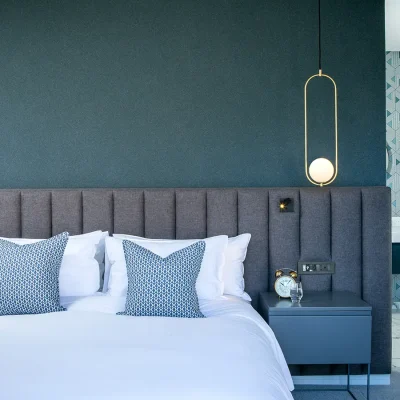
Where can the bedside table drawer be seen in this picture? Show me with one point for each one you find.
(323, 339)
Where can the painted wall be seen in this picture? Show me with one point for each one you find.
(186, 93)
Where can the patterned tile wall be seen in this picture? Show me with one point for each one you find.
(396, 289)
(393, 141)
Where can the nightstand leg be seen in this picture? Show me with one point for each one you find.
(348, 377)
(348, 385)
(368, 381)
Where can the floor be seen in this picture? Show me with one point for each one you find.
(391, 392)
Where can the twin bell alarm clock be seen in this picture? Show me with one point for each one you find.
(285, 278)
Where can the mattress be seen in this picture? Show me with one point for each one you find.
(89, 352)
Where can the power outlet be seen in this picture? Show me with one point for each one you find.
(309, 268)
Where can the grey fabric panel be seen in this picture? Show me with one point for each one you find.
(346, 249)
(284, 240)
(315, 234)
(159, 211)
(376, 234)
(67, 211)
(128, 212)
(97, 210)
(253, 218)
(284, 229)
(10, 213)
(346, 243)
(315, 245)
(222, 212)
(191, 214)
(36, 214)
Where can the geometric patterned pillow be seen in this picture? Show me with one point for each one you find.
(29, 276)
(163, 287)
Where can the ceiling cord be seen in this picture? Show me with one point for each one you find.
(319, 37)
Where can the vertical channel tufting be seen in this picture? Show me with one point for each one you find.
(10, 213)
(315, 234)
(253, 218)
(191, 214)
(284, 230)
(222, 209)
(128, 212)
(66, 208)
(346, 239)
(284, 240)
(360, 226)
(159, 216)
(376, 250)
(346, 246)
(97, 210)
(36, 214)
(315, 245)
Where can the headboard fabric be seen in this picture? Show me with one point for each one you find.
(350, 226)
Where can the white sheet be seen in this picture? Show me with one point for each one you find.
(81, 355)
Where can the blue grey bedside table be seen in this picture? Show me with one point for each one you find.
(339, 324)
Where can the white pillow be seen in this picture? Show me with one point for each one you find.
(98, 302)
(233, 270)
(209, 283)
(79, 271)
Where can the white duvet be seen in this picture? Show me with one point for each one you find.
(79, 355)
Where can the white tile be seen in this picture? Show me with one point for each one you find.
(395, 283)
(396, 318)
(396, 362)
(397, 92)
(394, 58)
(395, 323)
(396, 348)
(393, 120)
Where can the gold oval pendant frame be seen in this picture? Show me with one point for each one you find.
(320, 74)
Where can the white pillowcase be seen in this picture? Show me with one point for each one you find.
(233, 270)
(209, 284)
(98, 302)
(80, 266)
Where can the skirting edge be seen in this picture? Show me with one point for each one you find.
(340, 380)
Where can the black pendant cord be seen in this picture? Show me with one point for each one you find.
(319, 37)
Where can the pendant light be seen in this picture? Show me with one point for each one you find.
(321, 171)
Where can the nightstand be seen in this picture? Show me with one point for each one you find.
(325, 328)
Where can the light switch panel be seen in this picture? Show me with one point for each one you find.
(314, 268)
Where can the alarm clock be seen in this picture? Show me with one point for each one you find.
(284, 281)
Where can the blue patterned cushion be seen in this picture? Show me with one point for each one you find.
(164, 287)
(29, 276)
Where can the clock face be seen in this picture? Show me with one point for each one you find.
(282, 286)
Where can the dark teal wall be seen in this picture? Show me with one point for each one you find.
(185, 92)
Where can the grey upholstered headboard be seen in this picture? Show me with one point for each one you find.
(350, 226)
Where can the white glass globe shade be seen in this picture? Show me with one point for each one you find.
(321, 170)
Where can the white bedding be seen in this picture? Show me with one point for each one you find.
(77, 355)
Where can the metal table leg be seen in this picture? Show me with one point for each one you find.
(343, 390)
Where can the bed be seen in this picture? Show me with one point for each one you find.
(81, 354)
(90, 353)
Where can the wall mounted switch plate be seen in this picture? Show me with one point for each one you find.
(313, 268)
